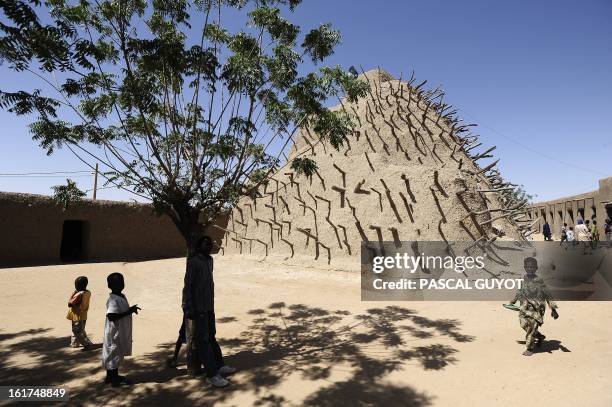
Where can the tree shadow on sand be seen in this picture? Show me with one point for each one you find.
(49, 361)
(348, 356)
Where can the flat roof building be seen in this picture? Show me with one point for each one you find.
(594, 205)
(35, 230)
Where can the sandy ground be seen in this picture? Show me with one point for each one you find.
(303, 337)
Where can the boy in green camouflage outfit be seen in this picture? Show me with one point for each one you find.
(533, 297)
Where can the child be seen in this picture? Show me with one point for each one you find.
(78, 304)
(570, 235)
(594, 235)
(533, 297)
(583, 234)
(117, 330)
(564, 233)
(564, 236)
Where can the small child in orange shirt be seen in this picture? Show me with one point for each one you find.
(78, 305)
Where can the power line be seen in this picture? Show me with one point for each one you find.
(533, 150)
(55, 174)
(44, 173)
(99, 188)
(43, 176)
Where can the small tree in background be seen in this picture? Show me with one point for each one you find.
(522, 197)
(67, 194)
(190, 118)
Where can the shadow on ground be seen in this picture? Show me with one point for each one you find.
(548, 346)
(282, 341)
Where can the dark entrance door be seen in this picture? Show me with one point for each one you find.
(72, 248)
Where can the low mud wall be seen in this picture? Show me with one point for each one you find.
(34, 230)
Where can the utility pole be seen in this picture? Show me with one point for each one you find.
(95, 188)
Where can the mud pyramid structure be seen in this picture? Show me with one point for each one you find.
(410, 172)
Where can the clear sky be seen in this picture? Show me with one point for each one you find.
(535, 75)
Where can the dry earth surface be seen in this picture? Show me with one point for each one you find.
(302, 336)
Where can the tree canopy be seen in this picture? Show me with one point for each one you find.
(65, 195)
(175, 107)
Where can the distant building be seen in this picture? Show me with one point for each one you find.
(591, 205)
(34, 230)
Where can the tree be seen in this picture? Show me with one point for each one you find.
(67, 194)
(190, 117)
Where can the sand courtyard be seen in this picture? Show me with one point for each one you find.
(302, 336)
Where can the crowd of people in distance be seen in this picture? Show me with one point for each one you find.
(586, 231)
(197, 328)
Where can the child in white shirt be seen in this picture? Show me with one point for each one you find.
(117, 330)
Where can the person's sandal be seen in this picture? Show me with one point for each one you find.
(217, 381)
(88, 347)
(226, 370)
(171, 362)
(120, 381)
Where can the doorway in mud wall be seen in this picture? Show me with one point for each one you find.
(73, 247)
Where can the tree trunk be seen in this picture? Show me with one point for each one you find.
(192, 231)
(187, 223)
(194, 364)
(186, 220)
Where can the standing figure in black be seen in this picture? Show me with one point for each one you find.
(199, 309)
(546, 232)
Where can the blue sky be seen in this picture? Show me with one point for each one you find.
(535, 75)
